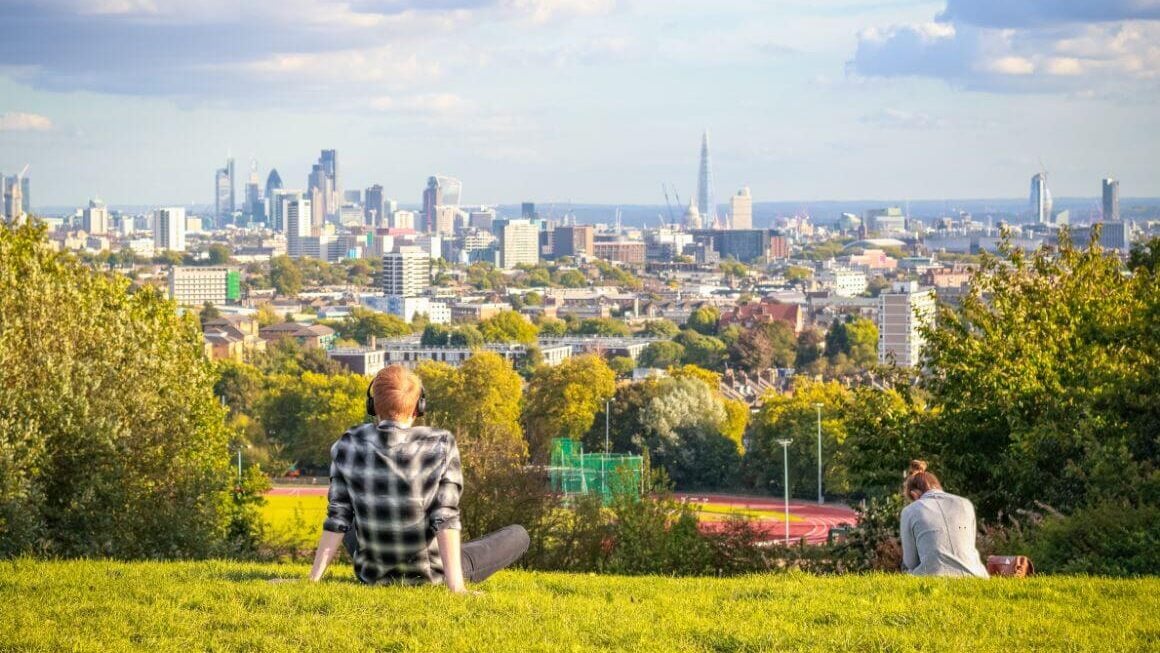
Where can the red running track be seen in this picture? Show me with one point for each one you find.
(815, 520)
(815, 524)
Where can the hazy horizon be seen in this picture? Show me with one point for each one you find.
(138, 102)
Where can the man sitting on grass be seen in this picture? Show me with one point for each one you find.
(394, 498)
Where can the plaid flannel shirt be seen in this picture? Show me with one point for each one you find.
(396, 487)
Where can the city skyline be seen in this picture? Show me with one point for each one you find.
(587, 101)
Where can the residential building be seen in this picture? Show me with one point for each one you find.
(309, 336)
(519, 243)
(576, 240)
(778, 247)
(477, 312)
(629, 252)
(297, 213)
(766, 311)
(741, 210)
(169, 229)
(902, 314)
(843, 281)
(360, 360)
(411, 354)
(406, 272)
(197, 286)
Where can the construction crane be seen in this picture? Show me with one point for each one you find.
(668, 205)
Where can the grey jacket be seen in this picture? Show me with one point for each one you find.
(938, 537)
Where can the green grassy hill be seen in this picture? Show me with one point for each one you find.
(101, 606)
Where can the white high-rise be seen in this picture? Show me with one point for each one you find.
(95, 219)
(1041, 198)
(297, 213)
(902, 313)
(169, 229)
(406, 272)
(741, 209)
(519, 243)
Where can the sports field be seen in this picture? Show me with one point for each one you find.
(228, 606)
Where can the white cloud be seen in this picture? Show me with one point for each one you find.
(16, 121)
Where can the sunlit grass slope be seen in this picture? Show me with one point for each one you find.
(101, 606)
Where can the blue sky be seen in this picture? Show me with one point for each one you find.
(583, 100)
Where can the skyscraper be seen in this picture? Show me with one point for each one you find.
(706, 203)
(169, 229)
(253, 208)
(528, 210)
(373, 206)
(298, 224)
(324, 179)
(13, 198)
(1111, 200)
(741, 209)
(224, 192)
(432, 197)
(1040, 199)
(519, 243)
(276, 206)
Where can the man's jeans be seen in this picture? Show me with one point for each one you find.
(483, 556)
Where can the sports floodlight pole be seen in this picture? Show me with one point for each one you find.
(821, 499)
(785, 466)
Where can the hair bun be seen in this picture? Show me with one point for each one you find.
(917, 466)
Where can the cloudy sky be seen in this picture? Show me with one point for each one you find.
(583, 100)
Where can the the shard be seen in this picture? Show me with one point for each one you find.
(706, 204)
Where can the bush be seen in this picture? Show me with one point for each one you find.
(1109, 539)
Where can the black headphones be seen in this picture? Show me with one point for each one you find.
(420, 408)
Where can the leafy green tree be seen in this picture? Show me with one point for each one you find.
(112, 442)
(286, 356)
(733, 268)
(1046, 381)
(466, 336)
(563, 400)
(704, 320)
(795, 417)
(660, 328)
(855, 338)
(307, 414)
(1146, 255)
(798, 273)
(208, 312)
(362, 323)
(435, 335)
(169, 257)
(239, 385)
(602, 326)
(810, 343)
(219, 254)
(553, 328)
(704, 351)
(480, 403)
(884, 431)
(766, 345)
(285, 276)
(662, 355)
(622, 365)
(508, 326)
(684, 434)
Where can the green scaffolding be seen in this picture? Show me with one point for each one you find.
(574, 472)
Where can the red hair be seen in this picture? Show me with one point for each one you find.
(919, 480)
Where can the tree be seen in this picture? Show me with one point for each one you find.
(572, 279)
(307, 414)
(856, 339)
(285, 276)
(466, 336)
(733, 268)
(479, 402)
(660, 328)
(766, 345)
(810, 343)
(622, 365)
(362, 323)
(208, 312)
(508, 326)
(795, 417)
(112, 442)
(267, 316)
(553, 328)
(602, 326)
(683, 434)
(798, 273)
(563, 400)
(1146, 255)
(704, 320)
(704, 351)
(219, 254)
(662, 355)
(1046, 383)
(435, 335)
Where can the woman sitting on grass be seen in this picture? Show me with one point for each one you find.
(938, 529)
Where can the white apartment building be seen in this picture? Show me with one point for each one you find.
(406, 272)
(196, 286)
(169, 229)
(519, 244)
(843, 281)
(297, 213)
(901, 314)
(95, 219)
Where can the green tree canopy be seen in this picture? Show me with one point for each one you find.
(660, 328)
(111, 440)
(704, 320)
(563, 400)
(662, 355)
(766, 345)
(508, 326)
(285, 276)
(704, 351)
(307, 413)
(480, 403)
(602, 326)
(363, 323)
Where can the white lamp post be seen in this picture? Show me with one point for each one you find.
(785, 466)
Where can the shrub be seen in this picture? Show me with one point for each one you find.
(1109, 538)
